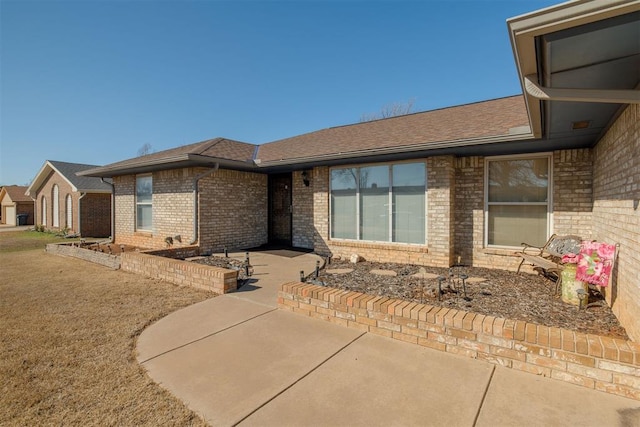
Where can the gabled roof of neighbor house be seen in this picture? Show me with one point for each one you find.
(69, 171)
(16, 193)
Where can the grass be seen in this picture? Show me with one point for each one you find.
(14, 241)
(67, 340)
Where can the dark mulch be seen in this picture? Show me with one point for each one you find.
(505, 294)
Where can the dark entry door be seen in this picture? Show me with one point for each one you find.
(280, 209)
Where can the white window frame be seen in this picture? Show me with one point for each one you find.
(68, 203)
(55, 206)
(390, 168)
(137, 227)
(549, 203)
(43, 208)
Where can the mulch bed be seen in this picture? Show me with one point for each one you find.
(108, 248)
(504, 294)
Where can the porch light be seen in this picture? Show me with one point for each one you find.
(305, 178)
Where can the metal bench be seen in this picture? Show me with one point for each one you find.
(547, 259)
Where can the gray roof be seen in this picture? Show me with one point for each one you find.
(82, 183)
(68, 171)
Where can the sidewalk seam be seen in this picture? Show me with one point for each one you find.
(298, 380)
(484, 395)
(205, 337)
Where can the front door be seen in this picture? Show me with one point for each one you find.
(280, 209)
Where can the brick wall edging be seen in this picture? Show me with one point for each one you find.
(597, 362)
(65, 249)
(179, 272)
(157, 266)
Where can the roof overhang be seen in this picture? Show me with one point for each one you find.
(45, 171)
(43, 174)
(171, 162)
(579, 65)
(459, 147)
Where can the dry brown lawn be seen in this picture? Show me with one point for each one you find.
(67, 341)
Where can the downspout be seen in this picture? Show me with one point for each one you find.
(113, 209)
(196, 234)
(80, 214)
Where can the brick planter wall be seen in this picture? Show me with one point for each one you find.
(183, 273)
(111, 261)
(597, 362)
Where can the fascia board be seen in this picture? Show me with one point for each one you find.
(524, 29)
(399, 150)
(106, 171)
(40, 177)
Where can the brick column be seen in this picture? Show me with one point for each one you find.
(440, 208)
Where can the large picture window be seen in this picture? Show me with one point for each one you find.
(144, 203)
(384, 203)
(517, 200)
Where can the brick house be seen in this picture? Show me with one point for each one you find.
(14, 202)
(66, 201)
(462, 184)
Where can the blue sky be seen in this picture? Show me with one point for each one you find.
(93, 81)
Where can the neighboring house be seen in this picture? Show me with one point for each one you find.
(465, 184)
(14, 202)
(66, 201)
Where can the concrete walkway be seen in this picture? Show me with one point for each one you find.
(238, 360)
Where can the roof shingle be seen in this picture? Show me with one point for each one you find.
(479, 120)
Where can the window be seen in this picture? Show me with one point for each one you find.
(384, 203)
(517, 200)
(144, 203)
(69, 211)
(43, 204)
(55, 205)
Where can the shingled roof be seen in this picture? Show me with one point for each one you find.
(442, 128)
(232, 154)
(498, 120)
(69, 172)
(16, 193)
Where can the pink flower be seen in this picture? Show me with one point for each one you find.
(570, 258)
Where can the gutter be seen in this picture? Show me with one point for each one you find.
(196, 234)
(612, 96)
(521, 136)
(113, 210)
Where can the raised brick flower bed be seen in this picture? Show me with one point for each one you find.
(593, 361)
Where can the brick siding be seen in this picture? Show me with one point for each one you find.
(96, 217)
(616, 212)
(302, 226)
(592, 361)
(232, 210)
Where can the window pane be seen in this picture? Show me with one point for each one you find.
(513, 225)
(374, 203)
(343, 203)
(523, 180)
(144, 217)
(144, 189)
(409, 203)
